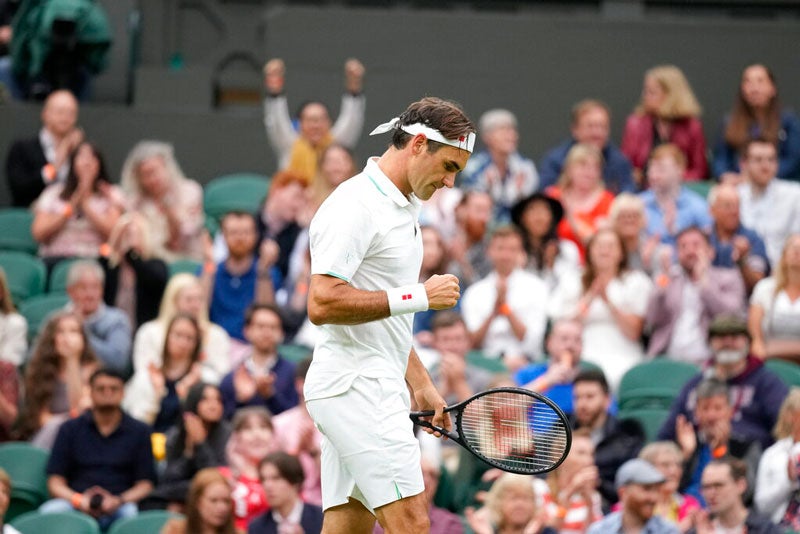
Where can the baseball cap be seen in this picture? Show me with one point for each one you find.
(638, 471)
(725, 324)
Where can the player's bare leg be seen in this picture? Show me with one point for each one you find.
(406, 516)
(348, 518)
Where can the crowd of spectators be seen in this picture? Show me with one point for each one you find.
(574, 272)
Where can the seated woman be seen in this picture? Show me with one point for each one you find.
(75, 218)
(582, 193)
(13, 327)
(628, 218)
(336, 165)
(667, 113)
(774, 318)
(56, 379)
(198, 441)
(510, 508)
(776, 480)
(154, 394)
(183, 294)
(135, 280)
(757, 113)
(209, 507)
(569, 495)
(250, 443)
(549, 257)
(610, 300)
(667, 457)
(171, 203)
(282, 478)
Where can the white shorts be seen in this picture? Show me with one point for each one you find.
(369, 451)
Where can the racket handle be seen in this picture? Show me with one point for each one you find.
(416, 418)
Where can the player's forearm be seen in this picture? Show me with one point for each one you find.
(416, 374)
(341, 303)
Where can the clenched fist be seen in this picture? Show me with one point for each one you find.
(443, 291)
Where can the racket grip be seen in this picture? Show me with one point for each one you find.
(416, 418)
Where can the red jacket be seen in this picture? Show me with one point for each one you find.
(687, 134)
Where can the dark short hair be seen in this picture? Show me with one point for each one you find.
(593, 375)
(256, 307)
(757, 140)
(104, 371)
(738, 468)
(446, 319)
(238, 214)
(693, 228)
(287, 465)
(437, 113)
(301, 370)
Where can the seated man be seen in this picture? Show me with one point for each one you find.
(505, 311)
(473, 216)
(638, 485)
(712, 437)
(735, 247)
(615, 440)
(499, 169)
(724, 484)
(102, 461)
(555, 378)
(243, 278)
(263, 378)
(679, 312)
(756, 392)
(591, 124)
(108, 328)
(33, 164)
(670, 207)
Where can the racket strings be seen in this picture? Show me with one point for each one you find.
(515, 430)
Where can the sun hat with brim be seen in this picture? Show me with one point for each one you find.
(519, 208)
(638, 471)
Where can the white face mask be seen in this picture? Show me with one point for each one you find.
(728, 356)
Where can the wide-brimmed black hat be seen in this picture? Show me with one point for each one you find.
(519, 208)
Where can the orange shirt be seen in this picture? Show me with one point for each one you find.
(591, 217)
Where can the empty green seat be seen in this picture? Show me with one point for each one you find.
(149, 522)
(185, 266)
(62, 523)
(788, 371)
(37, 308)
(493, 365)
(26, 465)
(651, 419)
(701, 187)
(295, 353)
(234, 192)
(15, 230)
(654, 384)
(58, 276)
(26, 274)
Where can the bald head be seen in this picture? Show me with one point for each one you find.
(723, 201)
(60, 113)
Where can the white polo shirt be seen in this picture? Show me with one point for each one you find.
(773, 215)
(366, 233)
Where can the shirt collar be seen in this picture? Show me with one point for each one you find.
(294, 516)
(251, 367)
(383, 184)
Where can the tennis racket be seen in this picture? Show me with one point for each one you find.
(512, 429)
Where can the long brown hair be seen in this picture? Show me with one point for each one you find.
(6, 300)
(200, 483)
(166, 357)
(42, 374)
(743, 116)
(589, 272)
(72, 179)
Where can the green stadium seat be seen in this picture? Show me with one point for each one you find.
(295, 353)
(589, 366)
(65, 522)
(654, 384)
(185, 266)
(788, 371)
(149, 522)
(26, 274)
(58, 276)
(701, 187)
(493, 365)
(15, 230)
(651, 419)
(234, 192)
(37, 308)
(26, 465)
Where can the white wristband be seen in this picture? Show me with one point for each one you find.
(407, 299)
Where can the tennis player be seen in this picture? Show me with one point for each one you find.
(366, 252)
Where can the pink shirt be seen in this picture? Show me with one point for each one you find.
(290, 427)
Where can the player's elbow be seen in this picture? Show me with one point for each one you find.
(317, 312)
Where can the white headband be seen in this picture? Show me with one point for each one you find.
(464, 142)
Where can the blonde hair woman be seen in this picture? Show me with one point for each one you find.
(776, 479)
(774, 319)
(667, 457)
(171, 203)
(511, 508)
(582, 193)
(184, 294)
(668, 112)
